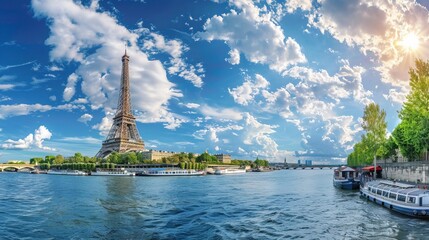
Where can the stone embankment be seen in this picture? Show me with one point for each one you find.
(415, 172)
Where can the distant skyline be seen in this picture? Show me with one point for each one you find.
(268, 79)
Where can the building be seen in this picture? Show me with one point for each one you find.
(123, 135)
(224, 158)
(155, 155)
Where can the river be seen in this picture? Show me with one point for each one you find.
(272, 205)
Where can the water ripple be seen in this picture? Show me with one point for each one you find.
(292, 204)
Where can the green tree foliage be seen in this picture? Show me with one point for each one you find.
(206, 158)
(373, 142)
(36, 160)
(412, 134)
(59, 159)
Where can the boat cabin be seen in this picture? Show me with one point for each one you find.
(400, 192)
(345, 172)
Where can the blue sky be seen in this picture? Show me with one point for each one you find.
(268, 79)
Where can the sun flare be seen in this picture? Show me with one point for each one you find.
(410, 42)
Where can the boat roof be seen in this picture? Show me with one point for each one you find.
(345, 169)
(396, 187)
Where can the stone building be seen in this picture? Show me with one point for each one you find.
(156, 154)
(224, 158)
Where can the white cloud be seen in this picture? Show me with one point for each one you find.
(222, 114)
(191, 105)
(14, 66)
(396, 96)
(31, 141)
(54, 68)
(253, 32)
(4, 87)
(377, 27)
(234, 57)
(256, 133)
(76, 28)
(104, 126)
(293, 5)
(85, 118)
(245, 93)
(70, 90)
(175, 49)
(21, 109)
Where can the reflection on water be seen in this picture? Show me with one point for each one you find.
(273, 205)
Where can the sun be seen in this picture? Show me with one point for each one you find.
(410, 42)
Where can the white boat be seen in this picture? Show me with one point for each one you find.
(112, 172)
(67, 172)
(228, 171)
(399, 197)
(171, 172)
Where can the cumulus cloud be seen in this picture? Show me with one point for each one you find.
(253, 32)
(70, 90)
(377, 27)
(251, 136)
(31, 141)
(311, 105)
(293, 5)
(175, 49)
(234, 57)
(245, 93)
(85, 118)
(76, 29)
(396, 96)
(104, 126)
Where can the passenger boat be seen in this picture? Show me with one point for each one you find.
(67, 172)
(228, 171)
(112, 172)
(399, 197)
(171, 172)
(346, 178)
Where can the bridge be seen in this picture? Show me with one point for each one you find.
(295, 166)
(17, 167)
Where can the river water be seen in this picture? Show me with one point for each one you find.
(272, 205)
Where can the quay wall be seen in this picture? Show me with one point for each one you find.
(415, 172)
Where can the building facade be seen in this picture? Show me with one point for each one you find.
(224, 158)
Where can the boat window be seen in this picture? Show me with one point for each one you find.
(385, 194)
(401, 198)
(392, 195)
(369, 188)
(379, 192)
(373, 190)
(411, 199)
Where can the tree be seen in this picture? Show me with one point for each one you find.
(412, 133)
(59, 159)
(373, 141)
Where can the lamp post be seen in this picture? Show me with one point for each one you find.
(375, 167)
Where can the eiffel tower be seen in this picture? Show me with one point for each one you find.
(123, 135)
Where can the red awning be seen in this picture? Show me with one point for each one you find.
(371, 168)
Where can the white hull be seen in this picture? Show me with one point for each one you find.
(67, 172)
(172, 172)
(229, 171)
(112, 173)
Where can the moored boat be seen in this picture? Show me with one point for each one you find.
(112, 172)
(67, 172)
(171, 172)
(402, 198)
(228, 171)
(346, 178)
